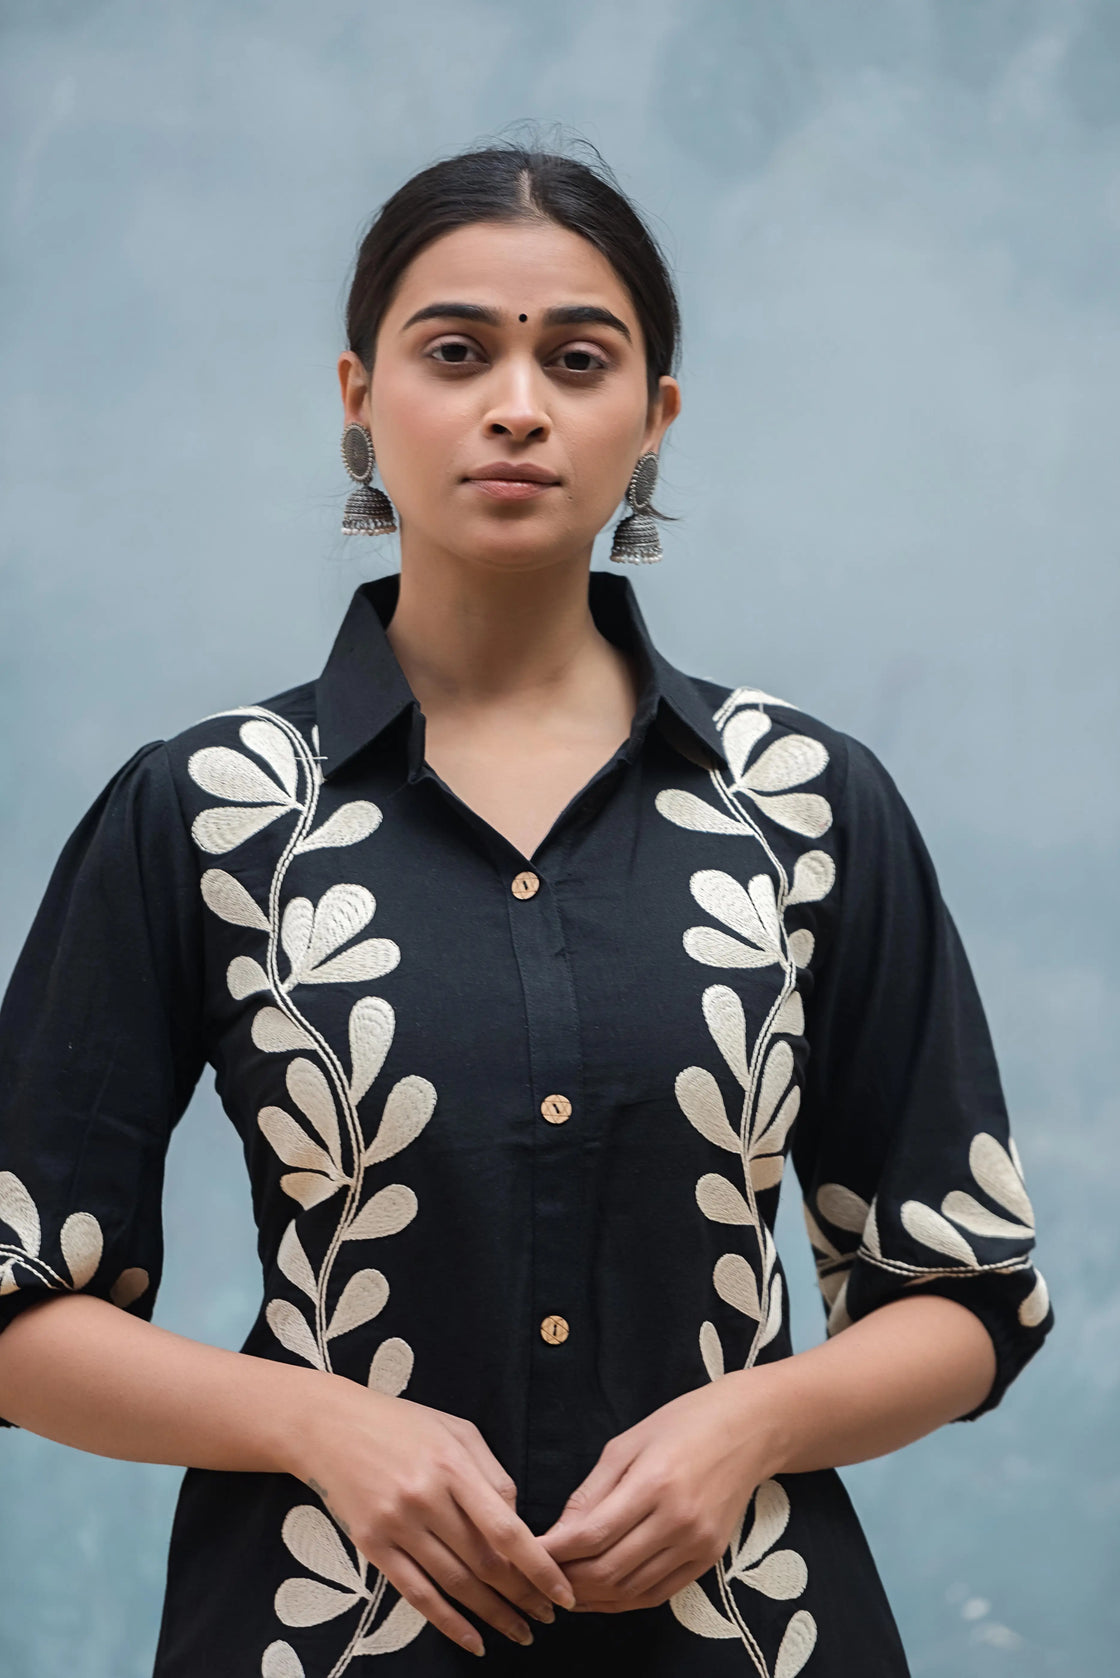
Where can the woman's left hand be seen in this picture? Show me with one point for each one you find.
(661, 1504)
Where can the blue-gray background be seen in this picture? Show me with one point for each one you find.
(896, 225)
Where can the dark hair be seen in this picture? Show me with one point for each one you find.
(514, 183)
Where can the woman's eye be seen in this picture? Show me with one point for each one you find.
(457, 352)
(452, 353)
(581, 361)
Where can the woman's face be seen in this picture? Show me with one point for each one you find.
(507, 346)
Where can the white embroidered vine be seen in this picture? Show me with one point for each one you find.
(327, 1153)
(752, 934)
(756, 936)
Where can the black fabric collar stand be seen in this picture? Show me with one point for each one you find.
(363, 689)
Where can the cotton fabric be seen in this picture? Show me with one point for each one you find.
(516, 1127)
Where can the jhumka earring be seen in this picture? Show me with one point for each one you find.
(368, 511)
(636, 537)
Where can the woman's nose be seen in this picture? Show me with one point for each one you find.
(516, 410)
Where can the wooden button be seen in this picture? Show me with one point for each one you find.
(525, 885)
(554, 1330)
(556, 1108)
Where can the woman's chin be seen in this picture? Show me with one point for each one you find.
(503, 545)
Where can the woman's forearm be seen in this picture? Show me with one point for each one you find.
(880, 1383)
(80, 1371)
(419, 1493)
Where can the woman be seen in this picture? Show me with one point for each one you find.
(515, 1143)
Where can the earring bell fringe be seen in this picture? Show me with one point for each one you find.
(368, 512)
(637, 541)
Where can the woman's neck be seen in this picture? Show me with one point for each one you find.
(469, 636)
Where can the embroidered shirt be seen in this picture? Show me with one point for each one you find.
(515, 1126)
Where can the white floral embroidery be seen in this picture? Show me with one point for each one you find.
(325, 1146)
(81, 1241)
(995, 1170)
(756, 936)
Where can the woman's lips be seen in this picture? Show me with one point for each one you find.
(510, 489)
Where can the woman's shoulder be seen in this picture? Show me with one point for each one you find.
(292, 712)
(773, 745)
(247, 752)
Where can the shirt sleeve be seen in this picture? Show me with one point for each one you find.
(911, 1180)
(100, 1050)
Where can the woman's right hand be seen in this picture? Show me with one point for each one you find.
(422, 1496)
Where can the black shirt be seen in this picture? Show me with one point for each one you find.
(515, 1126)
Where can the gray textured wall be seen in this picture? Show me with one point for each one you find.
(896, 225)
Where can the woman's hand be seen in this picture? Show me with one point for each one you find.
(661, 1504)
(424, 1499)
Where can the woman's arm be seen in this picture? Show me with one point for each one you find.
(78, 1370)
(417, 1491)
(896, 1374)
(661, 1504)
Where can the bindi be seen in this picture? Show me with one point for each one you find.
(523, 317)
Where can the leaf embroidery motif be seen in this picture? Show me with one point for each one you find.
(996, 1170)
(82, 1246)
(363, 1297)
(255, 798)
(314, 1542)
(391, 1368)
(19, 1212)
(317, 940)
(998, 1173)
(751, 913)
(349, 823)
(312, 934)
(281, 1661)
(401, 1624)
(768, 782)
(228, 898)
(755, 937)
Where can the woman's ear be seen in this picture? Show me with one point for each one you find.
(353, 380)
(663, 410)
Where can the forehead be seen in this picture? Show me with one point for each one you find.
(514, 267)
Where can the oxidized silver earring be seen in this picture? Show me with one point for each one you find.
(368, 511)
(636, 537)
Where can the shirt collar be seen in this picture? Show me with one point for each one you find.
(363, 689)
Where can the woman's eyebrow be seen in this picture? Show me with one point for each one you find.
(568, 314)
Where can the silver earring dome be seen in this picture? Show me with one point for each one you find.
(368, 511)
(637, 540)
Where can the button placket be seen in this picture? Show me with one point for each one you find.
(556, 1297)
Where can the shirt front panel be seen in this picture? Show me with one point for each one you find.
(516, 1127)
(527, 1050)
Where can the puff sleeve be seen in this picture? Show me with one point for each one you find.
(100, 1050)
(910, 1177)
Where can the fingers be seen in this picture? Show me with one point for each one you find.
(626, 1589)
(507, 1534)
(654, 1576)
(673, 1582)
(416, 1588)
(606, 1574)
(578, 1535)
(457, 1579)
(463, 1539)
(471, 1438)
(604, 1478)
